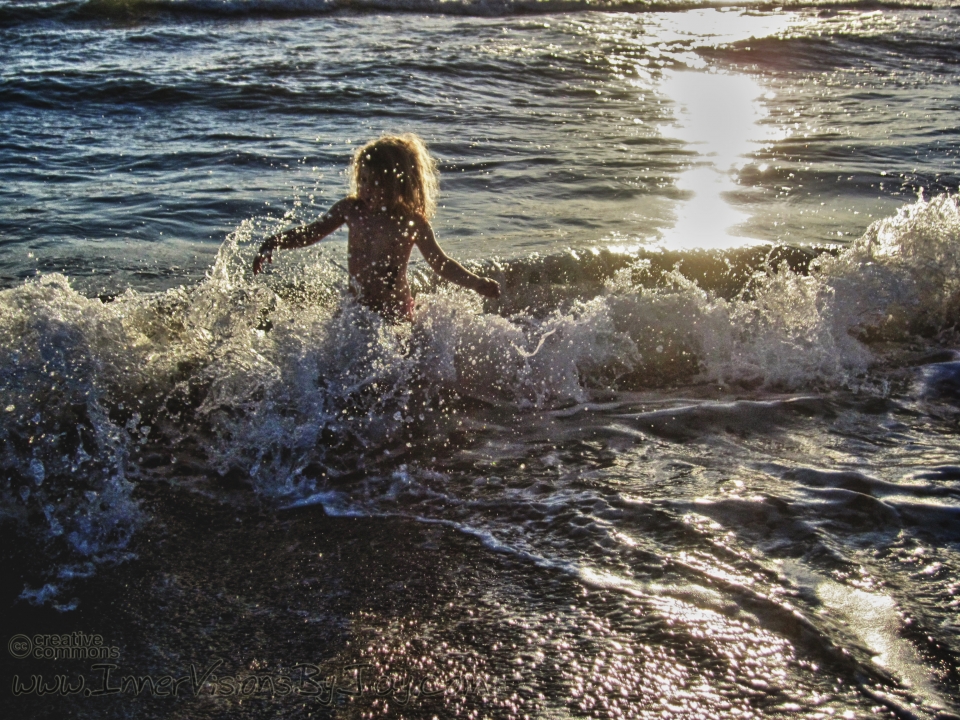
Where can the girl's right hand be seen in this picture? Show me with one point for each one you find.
(265, 254)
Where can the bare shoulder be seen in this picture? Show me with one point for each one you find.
(420, 225)
(344, 209)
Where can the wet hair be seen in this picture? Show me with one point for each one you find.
(403, 168)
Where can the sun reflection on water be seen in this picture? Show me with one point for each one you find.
(720, 117)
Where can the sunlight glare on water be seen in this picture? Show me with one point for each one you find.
(721, 118)
(710, 28)
(874, 618)
(719, 115)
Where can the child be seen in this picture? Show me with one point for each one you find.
(394, 187)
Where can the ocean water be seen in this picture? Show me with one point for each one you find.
(699, 461)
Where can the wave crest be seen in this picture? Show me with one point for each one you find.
(282, 383)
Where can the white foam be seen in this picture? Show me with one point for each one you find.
(290, 375)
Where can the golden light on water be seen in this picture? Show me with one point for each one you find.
(723, 25)
(720, 117)
(875, 620)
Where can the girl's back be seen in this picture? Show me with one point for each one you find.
(379, 247)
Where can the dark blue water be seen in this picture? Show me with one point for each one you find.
(136, 137)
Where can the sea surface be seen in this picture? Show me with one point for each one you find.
(700, 460)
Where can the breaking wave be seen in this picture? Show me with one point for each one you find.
(283, 383)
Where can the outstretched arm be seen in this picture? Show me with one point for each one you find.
(302, 236)
(448, 268)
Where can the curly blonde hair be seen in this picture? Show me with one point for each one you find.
(403, 168)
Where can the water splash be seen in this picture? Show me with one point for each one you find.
(284, 382)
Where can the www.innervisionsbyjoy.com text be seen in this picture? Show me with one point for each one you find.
(323, 685)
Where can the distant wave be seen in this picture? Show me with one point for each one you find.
(12, 13)
(878, 51)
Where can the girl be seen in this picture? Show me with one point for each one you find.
(393, 195)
